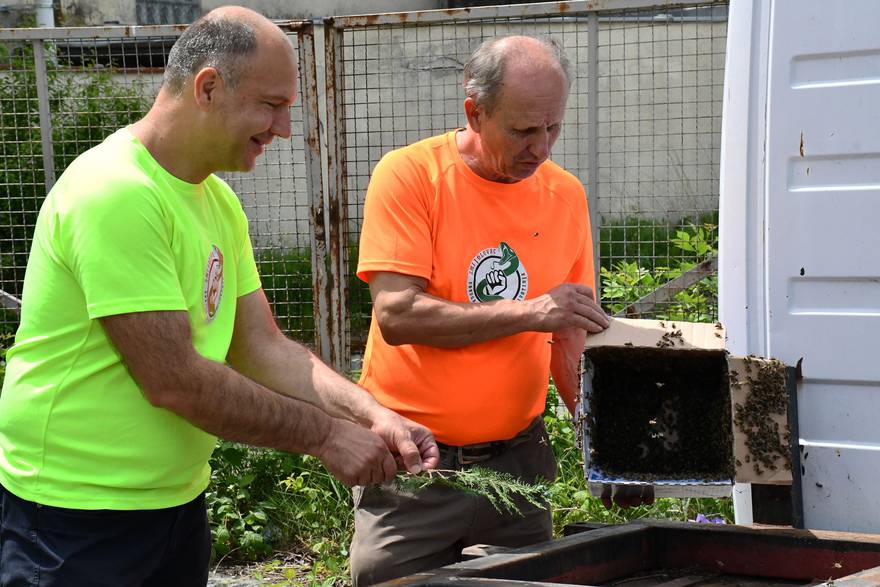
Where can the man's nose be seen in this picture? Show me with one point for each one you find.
(281, 123)
(540, 145)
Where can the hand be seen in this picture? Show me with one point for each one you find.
(496, 281)
(355, 455)
(412, 444)
(568, 305)
(627, 496)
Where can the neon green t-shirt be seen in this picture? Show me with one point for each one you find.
(117, 234)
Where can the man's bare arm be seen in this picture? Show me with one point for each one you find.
(408, 315)
(264, 354)
(157, 349)
(565, 360)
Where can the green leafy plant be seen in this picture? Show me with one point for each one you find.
(628, 281)
(240, 499)
(500, 489)
(5, 343)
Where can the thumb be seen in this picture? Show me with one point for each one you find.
(409, 452)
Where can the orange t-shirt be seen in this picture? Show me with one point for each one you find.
(427, 214)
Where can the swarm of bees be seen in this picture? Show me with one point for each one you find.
(767, 396)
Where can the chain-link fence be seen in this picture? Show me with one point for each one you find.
(642, 130)
(63, 91)
(646, 148)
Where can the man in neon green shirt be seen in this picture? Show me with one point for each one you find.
(145, 335)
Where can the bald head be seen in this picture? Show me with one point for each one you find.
(223, 39)
(487, 71)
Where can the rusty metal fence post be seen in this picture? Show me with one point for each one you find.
(321, 277)
(336, 200)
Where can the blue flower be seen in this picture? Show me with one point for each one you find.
(701, 519)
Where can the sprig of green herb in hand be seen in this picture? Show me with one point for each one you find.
(499, 488)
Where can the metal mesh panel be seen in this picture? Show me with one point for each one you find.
(661, 75)
(21, 171)
(275, 196)
(167, 11)
(97, 84)
(659, 79)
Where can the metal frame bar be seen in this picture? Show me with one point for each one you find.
(317, 225)
(540, 9)
(337, 208)
(9, 301)
(42, 80)
(117, 32)
(593, 143)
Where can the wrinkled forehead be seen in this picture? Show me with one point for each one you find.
(532, 89)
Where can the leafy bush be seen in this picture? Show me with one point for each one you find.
(651, 243)
(628, 281)
(5, 343)
(287, 281)
(263, 500)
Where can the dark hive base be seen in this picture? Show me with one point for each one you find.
(660, 413)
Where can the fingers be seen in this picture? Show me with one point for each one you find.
(357, 456)
(592, 318)
(627, 496)
(389, 468)
(410, 455)
(574, 305)
(606, 497)
(429, 450)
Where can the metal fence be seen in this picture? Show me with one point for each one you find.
(64, 90)
(642, 129)
(646, 148)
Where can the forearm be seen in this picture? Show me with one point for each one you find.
(289, 368)
(222, 402)
(420, 318)
(565, 357)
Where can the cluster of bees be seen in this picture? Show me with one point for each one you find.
(669, 339)
(767, 396)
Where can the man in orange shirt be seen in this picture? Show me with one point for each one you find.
(478, 252)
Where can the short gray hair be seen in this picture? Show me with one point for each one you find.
(211, 41)
(484, 71)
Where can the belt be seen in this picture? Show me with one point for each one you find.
(474, 453)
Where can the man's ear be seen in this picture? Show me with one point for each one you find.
(475, 114)
(206, 85)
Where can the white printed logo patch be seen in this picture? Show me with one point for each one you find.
(213, 291)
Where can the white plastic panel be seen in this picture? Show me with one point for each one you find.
(822, 245)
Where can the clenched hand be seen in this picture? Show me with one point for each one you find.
(355, 455)
(412, 444)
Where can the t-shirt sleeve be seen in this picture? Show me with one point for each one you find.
(248, 274)
(117, 245)
(396, 233)
(583, 269)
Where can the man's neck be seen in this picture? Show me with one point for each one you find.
(167, 132)
(471, 150)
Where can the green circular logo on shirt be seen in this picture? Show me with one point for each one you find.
(497, 274)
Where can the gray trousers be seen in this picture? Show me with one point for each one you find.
(400, 533)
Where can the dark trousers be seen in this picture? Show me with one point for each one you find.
(57, 547)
